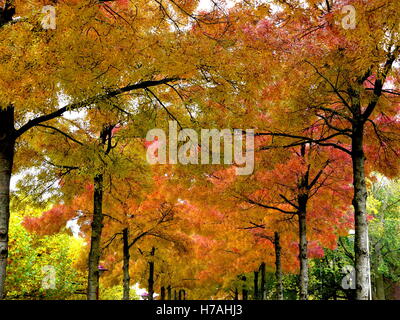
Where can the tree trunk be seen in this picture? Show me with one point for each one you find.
(303, 253)
(162, 296)
(236, 294)
(7, 143)
(127, 279)
(278, 267)
(244, 294)
(360, 214)
(169, 295)
(262, 286)
(255, 285)
(95, 243)
(244, 288)
(379, 281)
(151, 275)
(380, 287)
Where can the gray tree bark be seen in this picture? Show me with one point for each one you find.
(360, 213)
(7, 143)
(303, 249)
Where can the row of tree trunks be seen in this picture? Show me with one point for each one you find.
(260, 293)
(180, 295)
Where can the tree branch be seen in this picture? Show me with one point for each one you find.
(101, 97)
(61, 132)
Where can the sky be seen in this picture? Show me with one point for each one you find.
(207, 4)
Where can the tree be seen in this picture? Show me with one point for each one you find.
(87, 60)
(383, 207)
(347, 97)
(41, 100)
(41, 266)
(302, 183)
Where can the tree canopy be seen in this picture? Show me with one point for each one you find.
(305, 91)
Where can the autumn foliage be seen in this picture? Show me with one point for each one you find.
(76, 104)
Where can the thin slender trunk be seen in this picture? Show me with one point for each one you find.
(169, 293)
(244, 294)
(262, 286)
(162, 295)
(97, 223)
(380, 287)
(278, 266)
(244, 289)
(255, 285)
(127, 279)
(302, 199)
(151, 275)
(379, 281)
(303, 252)
(236, 294)
(7, 143)
(360, 214)
(95, 243)
(175, 295)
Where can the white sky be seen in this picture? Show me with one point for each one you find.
(207, 4)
